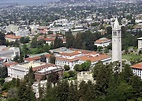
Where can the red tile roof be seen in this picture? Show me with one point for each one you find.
(71, 54)
(49, 39)
(94, 58)
(69, 60)
(102, 40)
(137, 66)
(8, 64)
(42, 67)
(37, 57)
(32, 58)
(12, 36)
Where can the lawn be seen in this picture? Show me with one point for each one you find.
(131, 57)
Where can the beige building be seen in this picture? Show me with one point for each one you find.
(20, 70)
(140, 43)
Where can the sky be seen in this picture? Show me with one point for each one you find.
(26, 1)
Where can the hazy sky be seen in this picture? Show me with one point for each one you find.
(26, 1)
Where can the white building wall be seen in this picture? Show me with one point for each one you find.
(17, 73)
(139, 44)
(102, 44)
(137, 72)
(10, 40)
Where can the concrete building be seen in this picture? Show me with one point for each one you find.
(12, 28)
(38, 57)
(20, 70)
(22, 32)
(72, 57)
(8, 53)
(137, 69)
(116, 43)
(44, 73)
(103, 42)
(140, 43)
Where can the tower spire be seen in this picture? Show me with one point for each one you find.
(116, 24)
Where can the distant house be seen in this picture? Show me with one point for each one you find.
(12, 38)
(103, 42)
(137, 69)
(51, 37)
(8, 53)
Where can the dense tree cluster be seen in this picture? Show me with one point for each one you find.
(20, 90)
(2, 39)
(3, 72)
(24, 40)
(83, 67)
(111, 85)
(83, 40)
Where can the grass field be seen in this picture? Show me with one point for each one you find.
(131, 57)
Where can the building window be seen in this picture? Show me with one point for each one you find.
(114, 33)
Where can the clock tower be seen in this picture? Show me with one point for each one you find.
(116, 43)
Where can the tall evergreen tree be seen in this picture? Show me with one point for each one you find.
(58, 42)
(62, 91)
(73, 93)
(69, 40)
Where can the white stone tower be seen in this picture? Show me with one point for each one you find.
(116, 43)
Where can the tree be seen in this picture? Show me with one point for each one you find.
(127, 73)
(77, 67)
(3, 72)
(82, 90)
(73, 93)
(24, 50)
(72, 73)
(13, 93)
(24, 40)
(136, 84)
(25, 92)
(96, 69)
(66, 75)
(52, 59)
(109, 30)
(102, 81)
(62, 91)
(53, 78)
(66, 67)
(69, 39)
(34, 42)
(86, 65)
(58, 42)
(43, 58)
(2, 39)
(29, 78)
